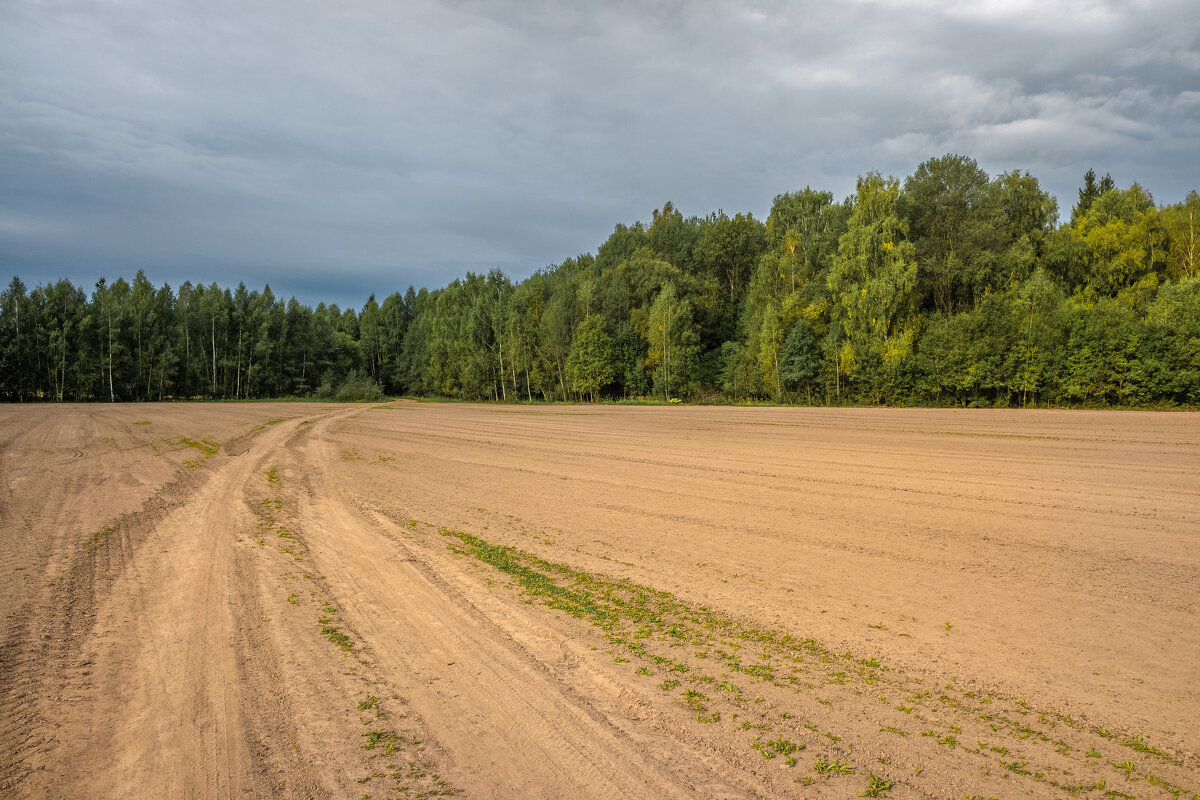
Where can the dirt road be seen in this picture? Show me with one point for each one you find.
(411, 599)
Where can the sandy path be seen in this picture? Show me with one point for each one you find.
(120, 673)
(161, 716)
(246, 600)
(512, 725)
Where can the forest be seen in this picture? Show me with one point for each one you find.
(950, 287)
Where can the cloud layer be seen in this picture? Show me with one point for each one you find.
(339, 149)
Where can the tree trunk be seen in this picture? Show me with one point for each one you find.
(214, 356)
(667, 367)
(237, 395)
(112, 395)
(500, 356)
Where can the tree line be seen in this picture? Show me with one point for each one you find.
(949, 287)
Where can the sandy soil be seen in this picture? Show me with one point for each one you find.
(415, 599)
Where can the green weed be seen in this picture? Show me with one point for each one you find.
(207, 447)
(823, 767)
(876, 787)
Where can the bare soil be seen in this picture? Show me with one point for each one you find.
(421, 599)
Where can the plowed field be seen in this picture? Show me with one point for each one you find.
(418, 599)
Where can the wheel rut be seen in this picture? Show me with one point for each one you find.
(478, 677)
(149, 695)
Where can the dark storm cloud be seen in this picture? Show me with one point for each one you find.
(336, 150)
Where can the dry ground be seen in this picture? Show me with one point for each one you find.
(412, 599)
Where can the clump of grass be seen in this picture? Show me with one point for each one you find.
(269, 423)
(207, 447)
(779, 746)
(876, 787)
(824, 767)
(332, 632)
(97, 539)
(579, 603)
(335, 635)
(386, 741)
(1142, 746)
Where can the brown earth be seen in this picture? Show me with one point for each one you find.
(304, 600)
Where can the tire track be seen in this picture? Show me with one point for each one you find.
(509, 727)
(144, 670)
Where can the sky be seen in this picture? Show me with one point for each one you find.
(336, 150)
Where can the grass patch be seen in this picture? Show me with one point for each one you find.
(824, 767)
(777, 747)
(689, 645)
(97, 539)
(876, 787)
(207, 447)
(1142, 746)
(263, 426)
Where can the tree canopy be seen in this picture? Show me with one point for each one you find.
(947, 287)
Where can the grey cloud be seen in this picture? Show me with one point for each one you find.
(352, 148)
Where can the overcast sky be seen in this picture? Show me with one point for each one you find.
(339, 149)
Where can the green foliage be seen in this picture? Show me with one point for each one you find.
(673, 344)
(876, 787)
(873, 282)
(1089, 192)
(1181, 223)
(591, 363)
(354, 388)
(800, 358)
(1122, 239)
(952, 220)
(950, 287)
